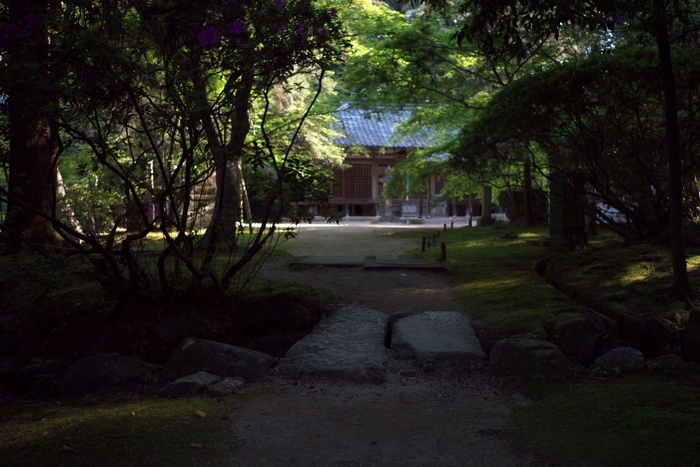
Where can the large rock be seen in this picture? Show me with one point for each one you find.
(445, 337)
(226, 387)
(690, 338)
(530, 359)
(583, 338)
(656, 337)
(190, 385)
(94, 374)
(224, 360)
(347, 344)
(620, 361)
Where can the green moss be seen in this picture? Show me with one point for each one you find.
(644, 420)
(118, 432)
(493, 271)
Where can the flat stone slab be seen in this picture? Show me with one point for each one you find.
(403, 264)
(347, 344)
(368, 262)
(331, 260)
(446, 337)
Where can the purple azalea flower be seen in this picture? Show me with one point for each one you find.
(279, 4)
(280, 28)
(323, 32)
(334, 12)
(209, 36)
(11, 31)
(236, 27)
(31, 21)
(301, 29)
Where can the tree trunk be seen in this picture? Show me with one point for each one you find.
(34, 140)
(227, 205)
(486, 204)
(527, 194)
(681, 282)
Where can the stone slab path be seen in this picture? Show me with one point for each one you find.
(454, 416)
(368, 262)
(352, 343)
(347, 344)
(443, 337)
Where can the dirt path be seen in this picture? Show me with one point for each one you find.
(415, 418)
(388, 290)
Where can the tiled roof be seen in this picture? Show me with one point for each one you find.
(377, 128)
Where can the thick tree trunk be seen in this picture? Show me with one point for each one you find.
(34, 140)
(675, 183)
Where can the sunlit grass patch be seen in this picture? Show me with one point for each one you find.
(633, 279)
(494, 274)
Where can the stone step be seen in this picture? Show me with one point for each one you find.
(443, 337)
(350, 342)
(347, 344)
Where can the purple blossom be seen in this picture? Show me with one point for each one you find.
(301, 30)
(11, 31)
(323, 32)
(209, 36)
(279, 4)
(279, 28)
(236, 27)
(31, 21)
(334, 12)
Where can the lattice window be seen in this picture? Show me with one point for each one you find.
(440, 182)
(354, 182)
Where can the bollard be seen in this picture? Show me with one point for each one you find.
(443, 251)
(422, 247)
(452, 224)
(437, 234)
(444, 226)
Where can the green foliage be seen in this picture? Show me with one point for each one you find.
(157, 98)
(599, 118)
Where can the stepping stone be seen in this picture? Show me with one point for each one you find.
(330, 260)
(347, 344)
(445, 337)
(403, 264)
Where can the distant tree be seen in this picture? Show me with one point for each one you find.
(508, 27)
(597, 118)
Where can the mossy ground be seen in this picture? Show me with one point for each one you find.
(641, 420)
(118, 431)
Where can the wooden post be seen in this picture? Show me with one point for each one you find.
(443, 251)
(452, 224)
(422, 248)
(444, 226)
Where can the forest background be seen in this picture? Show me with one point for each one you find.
(117, 118)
